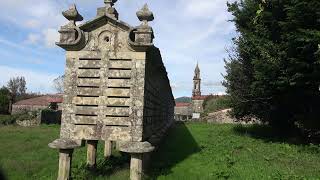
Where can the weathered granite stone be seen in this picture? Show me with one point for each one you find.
(136, 147)
(136, 167)
(116, 85)
(65, 158)
(92, 153)
(64, 144)
(107, 149)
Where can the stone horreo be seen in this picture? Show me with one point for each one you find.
(116, 88)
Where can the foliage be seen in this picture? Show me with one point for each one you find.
(183, 100)
(274, 68)
(215, 103)
(48, 110)
(11, 119)
(4, 100)
(58, 84)
(8, 119)
(27, 115)
(17, 87)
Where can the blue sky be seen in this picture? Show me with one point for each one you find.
(186, 31)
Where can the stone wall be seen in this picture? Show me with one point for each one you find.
(158, 99)
(29, 123)
(17, 109)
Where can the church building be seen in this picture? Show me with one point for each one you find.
(197, 97)
(187, 111)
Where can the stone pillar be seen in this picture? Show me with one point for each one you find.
(92, 153)
(65, 147)
(136, 167)
(65, 158)
(107, 149)
(136, 150)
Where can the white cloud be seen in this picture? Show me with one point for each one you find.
(36, 81)
(33, 38)
(41, 17)
(32, 23)
(32, 13)
(50, 37)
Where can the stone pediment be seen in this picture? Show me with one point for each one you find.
(102, 21)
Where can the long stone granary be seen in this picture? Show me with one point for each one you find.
(116, 86)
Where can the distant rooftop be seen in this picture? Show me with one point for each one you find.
(179, 104)
(199, 97)
(41, 101)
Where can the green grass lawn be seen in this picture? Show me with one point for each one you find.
(191, 151)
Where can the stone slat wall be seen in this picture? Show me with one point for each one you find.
(158, 100)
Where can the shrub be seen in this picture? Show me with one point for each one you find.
(8, 119)
(27, 116)
(4, 100)
(216, 103)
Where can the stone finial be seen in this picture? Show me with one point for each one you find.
(71, 37)
(110, 3)
(143, 34)
(108, 10)
(72, 15)
(145, 15)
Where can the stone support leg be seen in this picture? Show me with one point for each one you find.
(136, 167)
(92, 153)
(65, 158)
(107, 149)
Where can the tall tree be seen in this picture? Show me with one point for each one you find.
(273, 71)
(4, 100)
(58, 84)
(17, 87)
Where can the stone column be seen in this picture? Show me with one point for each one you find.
(92, 153)
(136, 150)
(136, 167)
(65, 147)
(65, 159)
(107, 149)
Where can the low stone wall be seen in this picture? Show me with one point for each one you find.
(29, 123)
(224, 117)
(43, 117)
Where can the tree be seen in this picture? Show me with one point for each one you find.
(4, 100)
(274, 68)
(17, 87)
(58, 84)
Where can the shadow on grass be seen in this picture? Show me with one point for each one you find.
(268, 134)
(104, 168)
(178, 145)
(2, 174)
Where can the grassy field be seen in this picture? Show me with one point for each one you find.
(191, 151)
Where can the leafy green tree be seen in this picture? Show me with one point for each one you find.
(4, 100)
(273, 71)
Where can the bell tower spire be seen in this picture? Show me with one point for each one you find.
(196, 82)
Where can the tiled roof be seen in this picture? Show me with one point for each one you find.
(41, 101)
(182, 104)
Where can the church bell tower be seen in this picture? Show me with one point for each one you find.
(196, 82)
